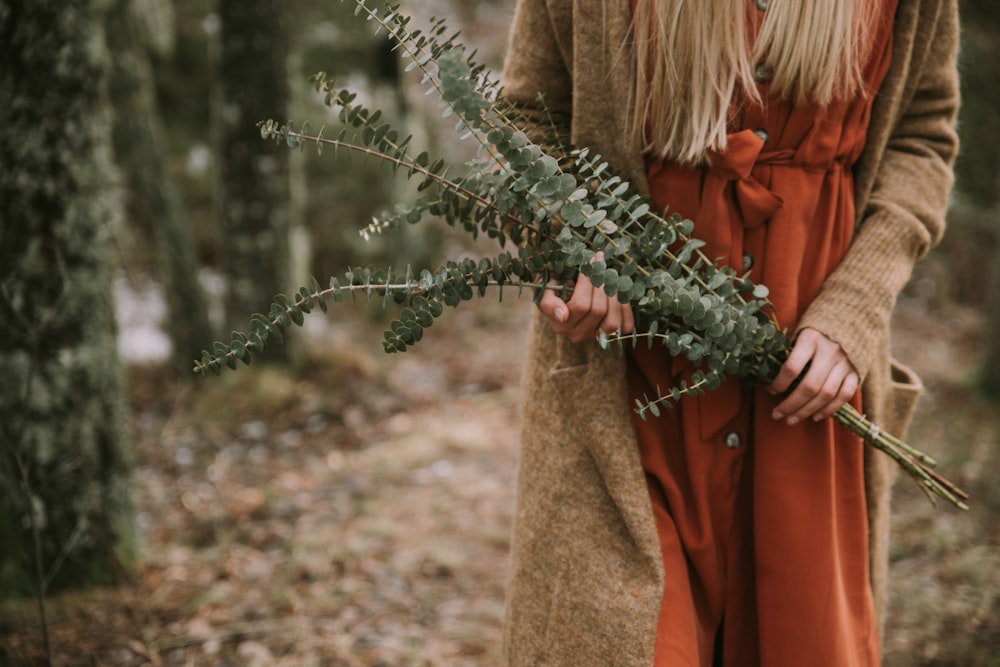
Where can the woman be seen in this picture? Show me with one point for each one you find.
(812, 145)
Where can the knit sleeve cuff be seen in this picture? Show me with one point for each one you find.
(855, 305)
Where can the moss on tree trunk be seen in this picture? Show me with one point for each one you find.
(64, 463)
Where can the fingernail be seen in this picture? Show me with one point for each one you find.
(792, 421)
(560, 314)
(777, 416)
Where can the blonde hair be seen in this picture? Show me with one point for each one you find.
(694, 63)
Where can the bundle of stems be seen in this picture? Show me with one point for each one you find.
(556, 212)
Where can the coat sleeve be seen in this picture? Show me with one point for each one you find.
(905, 213)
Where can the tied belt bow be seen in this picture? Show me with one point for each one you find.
(733, 170)
(744, 151)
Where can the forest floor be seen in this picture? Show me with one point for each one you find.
(359, 514)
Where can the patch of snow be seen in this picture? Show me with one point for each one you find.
(140, 309)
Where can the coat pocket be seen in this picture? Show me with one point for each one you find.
(568, 355)
(904, 391)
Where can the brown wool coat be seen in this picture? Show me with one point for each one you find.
(587, 574)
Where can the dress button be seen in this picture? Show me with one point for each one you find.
(762, 4)
(733, 440)
(764, 135)
(747, 262)
(763, 73)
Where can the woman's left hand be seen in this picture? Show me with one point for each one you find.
(829, 382)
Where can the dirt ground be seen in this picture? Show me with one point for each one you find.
(359, 515)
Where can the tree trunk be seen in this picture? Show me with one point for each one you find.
(153, 203)
(978, 165)
(255, 195)
(989, 371)
(64, 464)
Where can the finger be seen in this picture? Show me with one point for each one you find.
(592, 321)
(817, 390)
(553, 308)
(805, 375)
(589, 310)
(801, 354)
(614, 318)
(598, 302)
(848, 388)
(623, 319)
(583, 291)
(628, 319)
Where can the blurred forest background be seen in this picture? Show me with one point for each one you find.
(335, 505)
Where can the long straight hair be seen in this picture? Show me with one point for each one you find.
(695, 62)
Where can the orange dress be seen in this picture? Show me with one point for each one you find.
(763, 526)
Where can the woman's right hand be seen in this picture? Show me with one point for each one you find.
(588, 312)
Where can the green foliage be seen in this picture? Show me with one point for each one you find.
(561, 207)
(564, 208)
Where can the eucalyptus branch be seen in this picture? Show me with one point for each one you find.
(568, 213)
(916, 463)
(423, 298)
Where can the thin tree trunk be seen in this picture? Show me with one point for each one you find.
(978, 165)
(153, 203)
(989, 371)
(255, 195)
